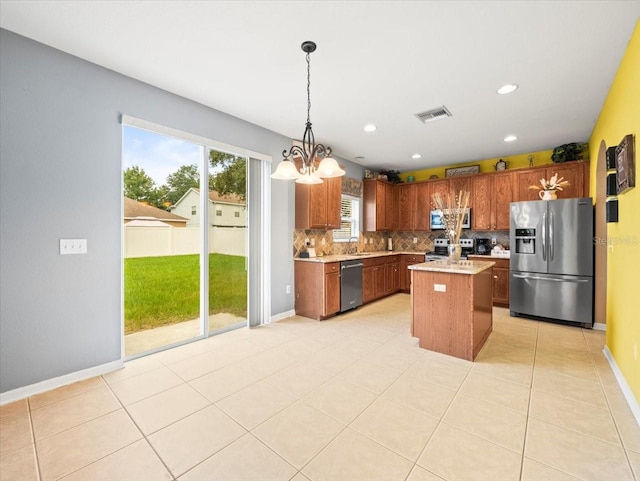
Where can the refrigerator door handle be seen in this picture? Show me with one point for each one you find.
(536, 278)
(544, 236)
(550, 236)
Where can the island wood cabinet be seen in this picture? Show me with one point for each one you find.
(407, 260)
(318, 205)
(500, 279)
(378, 205)
(576, 172)
(491, 196)
(317, 289)
(455, 320)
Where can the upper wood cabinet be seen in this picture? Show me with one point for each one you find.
(423, 206)
(481, 203)
(501, 198)
(318, 205)
(577, 173)
(378, 208)
(456, 184)
(491, 196)
(441, 187)
(406, 207)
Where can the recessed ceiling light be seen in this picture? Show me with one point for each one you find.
(416, 156)
(507, 89)
(510, 138)
(369, 128)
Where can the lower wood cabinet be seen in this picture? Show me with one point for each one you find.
(393, 277)
(407, 260)
(500, 279)
(317, 289)
(368, 290)
(380, 277)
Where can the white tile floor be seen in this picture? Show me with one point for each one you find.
(352, 398)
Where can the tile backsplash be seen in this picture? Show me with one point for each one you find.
(377, 241)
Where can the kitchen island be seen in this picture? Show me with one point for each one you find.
(451, 306)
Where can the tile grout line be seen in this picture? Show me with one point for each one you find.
(33, 436)
(526, 425)
(143, 437)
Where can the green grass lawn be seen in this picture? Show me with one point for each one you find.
(166, 290)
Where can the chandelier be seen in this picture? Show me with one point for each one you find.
(309, 152)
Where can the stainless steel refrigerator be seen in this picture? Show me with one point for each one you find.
(551, 268)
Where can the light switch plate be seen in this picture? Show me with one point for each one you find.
(73, 246)
(440, 287)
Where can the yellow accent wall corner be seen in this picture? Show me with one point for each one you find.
(620, 116)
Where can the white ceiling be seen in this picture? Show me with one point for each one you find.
(377, 62)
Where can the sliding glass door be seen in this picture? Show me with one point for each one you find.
(185, 254)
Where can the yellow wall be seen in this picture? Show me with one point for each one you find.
(514, 162)
(620, 116)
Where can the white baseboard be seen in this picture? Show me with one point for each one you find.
(282, 315)
(56, 382)
(599, 326)
(626, 390)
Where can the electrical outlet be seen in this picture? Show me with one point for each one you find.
(73, 246)
(440, 287)
(287, 289)
(415, 240)
(494, 241)
(313, 242)
(370, 240)
(323, 242)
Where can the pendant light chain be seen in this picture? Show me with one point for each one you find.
(308, 89)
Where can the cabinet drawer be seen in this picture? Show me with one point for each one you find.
(331, 267)
(501, 263)
(414, 257)
(373, 261)
(392, 259)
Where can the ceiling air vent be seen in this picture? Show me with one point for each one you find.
(438, 113)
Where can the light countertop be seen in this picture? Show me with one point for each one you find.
(462, 267)
(362, 255)
(502, 255)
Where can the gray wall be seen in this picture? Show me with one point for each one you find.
(60, 171)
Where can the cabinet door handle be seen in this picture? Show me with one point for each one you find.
(495, 277)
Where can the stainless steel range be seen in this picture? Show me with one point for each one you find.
(441, 249)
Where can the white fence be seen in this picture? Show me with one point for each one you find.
(175, 241)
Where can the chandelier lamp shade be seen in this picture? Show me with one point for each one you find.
(308, 151)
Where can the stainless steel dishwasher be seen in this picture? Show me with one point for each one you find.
(350, 284)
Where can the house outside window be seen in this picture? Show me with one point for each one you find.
(237, 214)
(193, 210)
(219, 212)
(350, 219)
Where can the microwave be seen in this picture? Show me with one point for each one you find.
(437, 222)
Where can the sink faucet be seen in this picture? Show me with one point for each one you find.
(350, 248)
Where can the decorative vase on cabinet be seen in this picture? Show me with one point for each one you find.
(548, 195)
